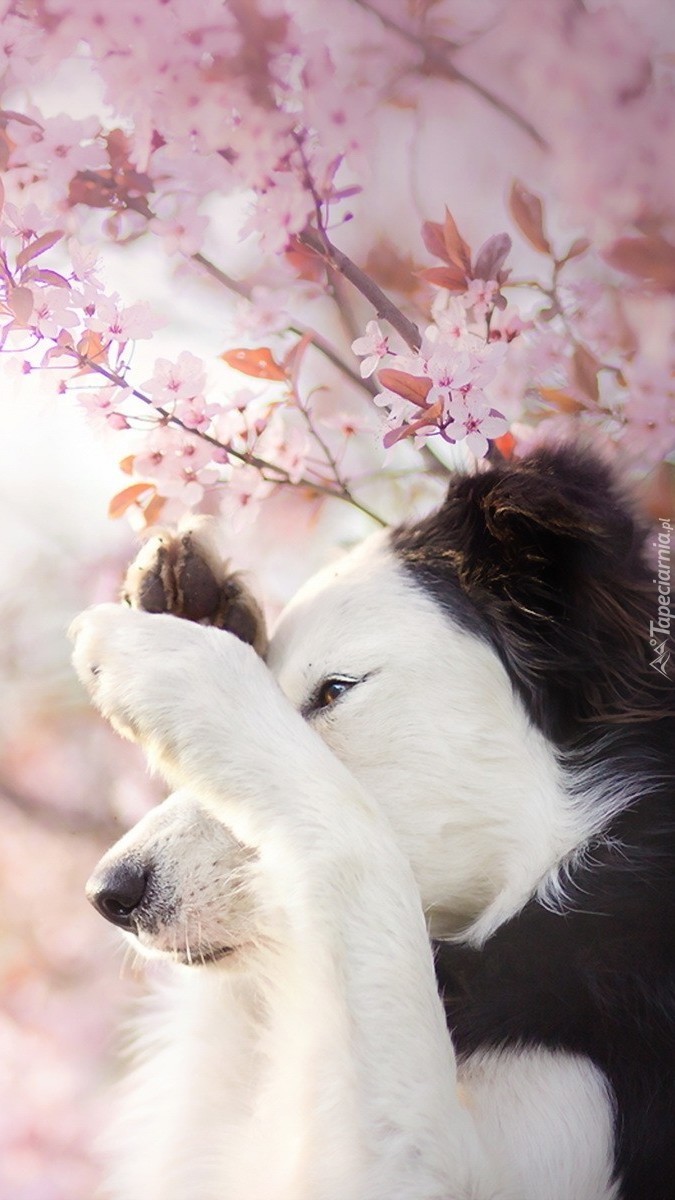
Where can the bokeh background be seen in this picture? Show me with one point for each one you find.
(68, 785)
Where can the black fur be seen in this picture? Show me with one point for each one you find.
(545, 559)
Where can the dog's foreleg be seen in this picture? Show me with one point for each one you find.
(355, 1093)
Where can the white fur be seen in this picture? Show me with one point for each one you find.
(314, 1063)
(548, 1119)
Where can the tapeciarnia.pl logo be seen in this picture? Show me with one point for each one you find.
(659, 630)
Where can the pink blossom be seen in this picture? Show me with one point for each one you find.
(449, 370)
(281, 210)
(25, 221)
(474, 426)
(480, 295)
(180, 465)
(449, 315)
(120, 323)
(85, 262)
(258, 143)
(195, 413)
(649, 411)
(20, 47)
(336, 115)
(60, 146)
(52, 311)
(264, 314)
(286, 446)
(103, 405)
(375, 344)
(399, 410)
(242, 495)
(173, 382)
(178, 222)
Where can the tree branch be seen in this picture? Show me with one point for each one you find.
(442, 65)
(319, 242)
(321, 343)
(269, 471)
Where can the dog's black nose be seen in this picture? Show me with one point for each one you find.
(116, 891)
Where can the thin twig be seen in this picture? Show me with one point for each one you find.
(441, 63)
(349, 322)
(341, 266)
(320, 243)
(324, 346)
(269, 471)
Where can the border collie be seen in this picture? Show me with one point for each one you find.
(417, 877)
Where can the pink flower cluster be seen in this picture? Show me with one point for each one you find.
(215, 99)
(445, 387)
(250, 100)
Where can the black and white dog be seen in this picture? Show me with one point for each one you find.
(418, 874)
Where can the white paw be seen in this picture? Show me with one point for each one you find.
(136, 667)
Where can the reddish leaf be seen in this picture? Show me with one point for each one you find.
(306, 263)
(561, 400)
(396, 435)
(5, 332)
(458, 251)
(118, 146)
(33, 249)
(111, 189)
(579, 247)
(87, 188)
(127, 464)
(651, 258)
(432, 236)
(444, 241)
(411, 387)
(585, 371)
(260, 363)
(128, 496)
(20, 301)
(506, 445)
(491, 257)
(63, 348)
(91, 347)
(450, 277)
(41, 275)
(153, 510)
(528, 214)
(393, 270)
(406, 431)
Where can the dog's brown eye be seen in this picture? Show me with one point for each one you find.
(331, 690)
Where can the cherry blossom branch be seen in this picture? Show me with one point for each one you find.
(279, 475)
(347, 316)
(318, 241)
(441, 64)
(321, 343)
(341, 267)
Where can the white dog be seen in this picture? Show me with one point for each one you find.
(418, 753)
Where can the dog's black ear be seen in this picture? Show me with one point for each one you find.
(550, 557)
